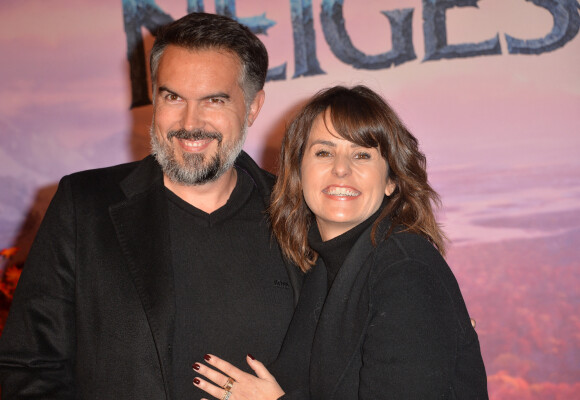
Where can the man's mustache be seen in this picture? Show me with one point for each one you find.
(196, 134)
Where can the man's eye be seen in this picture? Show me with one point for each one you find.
(172, 97)
(216, 100)
(362, 156)
(322, 153)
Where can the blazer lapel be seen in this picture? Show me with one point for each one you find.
(264, 181)
(342, 320)
(141, 225)
(290, 368)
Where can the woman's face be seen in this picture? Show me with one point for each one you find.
(343, 183)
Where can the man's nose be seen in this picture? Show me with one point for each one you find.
(192, 118)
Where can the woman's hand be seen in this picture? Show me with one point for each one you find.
(235, 384)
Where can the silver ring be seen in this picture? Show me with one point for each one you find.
(227, 395)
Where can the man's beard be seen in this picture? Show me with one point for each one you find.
(195, 169)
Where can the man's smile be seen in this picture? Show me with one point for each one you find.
(194, 145)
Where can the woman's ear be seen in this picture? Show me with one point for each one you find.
(390, 187)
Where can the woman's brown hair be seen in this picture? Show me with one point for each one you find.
(361, 116)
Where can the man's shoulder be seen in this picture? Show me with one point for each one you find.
(263, 179)
(110, 171)
(102, 179)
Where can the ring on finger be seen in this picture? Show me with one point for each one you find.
(227, 395)
(229, 384)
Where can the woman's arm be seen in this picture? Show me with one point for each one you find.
(413, 334)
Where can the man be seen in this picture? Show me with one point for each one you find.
(138, 270)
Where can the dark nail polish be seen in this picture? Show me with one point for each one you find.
(195, 366)
(207, 357)
(251, 356)
(196, 381)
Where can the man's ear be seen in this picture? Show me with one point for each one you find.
(256, 106)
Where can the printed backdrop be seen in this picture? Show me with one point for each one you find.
(491, 88)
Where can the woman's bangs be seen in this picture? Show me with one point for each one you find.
(355, 124)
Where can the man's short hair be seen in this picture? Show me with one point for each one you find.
(203, 31)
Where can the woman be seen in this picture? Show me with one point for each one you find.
(380, 314)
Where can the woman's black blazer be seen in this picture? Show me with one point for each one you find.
(393, 326)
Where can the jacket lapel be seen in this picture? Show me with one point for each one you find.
(342, 320)
(264, 181)
(141, 225)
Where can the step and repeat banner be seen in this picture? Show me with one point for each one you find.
(491, 88)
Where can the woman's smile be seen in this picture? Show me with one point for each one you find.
(341, 192)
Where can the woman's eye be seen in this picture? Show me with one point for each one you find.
(362, 156)
(322, 153)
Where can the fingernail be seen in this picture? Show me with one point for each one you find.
(195, 366)
(207, 357)
(251, 356)
(196, 381)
